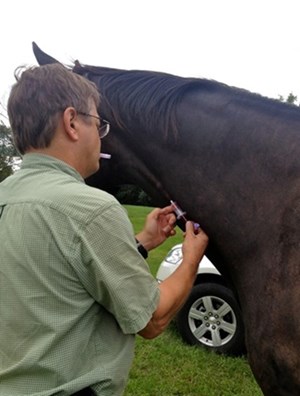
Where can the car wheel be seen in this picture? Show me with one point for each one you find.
(211, 317)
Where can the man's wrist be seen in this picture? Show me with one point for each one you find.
(141, 249)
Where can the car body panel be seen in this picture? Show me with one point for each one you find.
(173, 260)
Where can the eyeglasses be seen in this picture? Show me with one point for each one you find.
(104, 126)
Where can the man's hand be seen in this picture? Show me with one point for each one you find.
(194, 245)
(158, 227)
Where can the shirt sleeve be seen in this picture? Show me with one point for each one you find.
(115, 274)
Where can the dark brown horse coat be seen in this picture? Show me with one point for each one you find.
(231, 159)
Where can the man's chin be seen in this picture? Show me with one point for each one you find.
(93, 171)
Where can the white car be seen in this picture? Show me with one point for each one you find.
(211, 316)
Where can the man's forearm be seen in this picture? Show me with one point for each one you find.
(173, 293)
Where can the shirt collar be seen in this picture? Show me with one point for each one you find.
(43, 161)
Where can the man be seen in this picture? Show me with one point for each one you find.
(74, 290)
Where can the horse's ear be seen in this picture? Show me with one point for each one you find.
(42, 57)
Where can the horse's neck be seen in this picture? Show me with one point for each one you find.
(226, 197)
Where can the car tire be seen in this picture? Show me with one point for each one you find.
(212, 318)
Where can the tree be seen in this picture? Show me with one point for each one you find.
(292, 99)
(8, 153)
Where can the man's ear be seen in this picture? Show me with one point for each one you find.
(70, 121)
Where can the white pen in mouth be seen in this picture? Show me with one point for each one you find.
(105, 156)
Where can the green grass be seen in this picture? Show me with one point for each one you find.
(166, 366)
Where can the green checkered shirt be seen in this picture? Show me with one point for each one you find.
(74, 291)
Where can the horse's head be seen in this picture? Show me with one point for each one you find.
(123, 104)
(124, 167)
(108, 179)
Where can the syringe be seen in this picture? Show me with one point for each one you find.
(180, 215)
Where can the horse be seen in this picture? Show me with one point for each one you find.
(231, 159)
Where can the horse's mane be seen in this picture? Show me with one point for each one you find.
(147, 99)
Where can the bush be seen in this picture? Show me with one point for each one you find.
(129, 194)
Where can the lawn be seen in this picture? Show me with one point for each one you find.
(166, 366)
